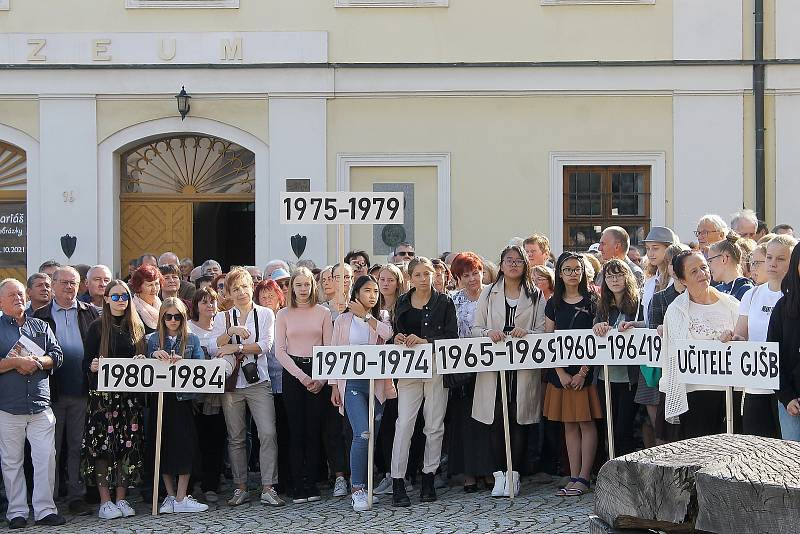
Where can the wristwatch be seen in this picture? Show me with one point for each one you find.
(241, 347)
(367, 317)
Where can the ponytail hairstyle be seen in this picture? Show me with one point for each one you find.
(560, 288)
(730, 246)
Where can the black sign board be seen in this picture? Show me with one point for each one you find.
(13, 234)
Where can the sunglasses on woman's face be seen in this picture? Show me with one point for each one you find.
(119, 297)
(173, 317)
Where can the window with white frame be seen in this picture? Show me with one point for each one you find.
(579, 2)
(181, 3)
(391, 3)
(4, 5)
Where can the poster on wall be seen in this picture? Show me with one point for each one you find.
(13, 234)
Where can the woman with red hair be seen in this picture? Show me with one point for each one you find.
(146, 284)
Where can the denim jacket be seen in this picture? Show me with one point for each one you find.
(193, 351)
(438, 318)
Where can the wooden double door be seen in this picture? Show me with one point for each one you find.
(155, 227)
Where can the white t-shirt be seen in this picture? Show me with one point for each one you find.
(707, 322)
(359, 332)
(757, 306)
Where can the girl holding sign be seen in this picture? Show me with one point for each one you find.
(113, 459)
(571, 397)
(422, 315)
(363, 324)
(512, 306)
(180, 455)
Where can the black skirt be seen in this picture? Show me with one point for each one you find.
(179, 448)
(471, 451)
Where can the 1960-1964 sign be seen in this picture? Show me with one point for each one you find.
(13, 234)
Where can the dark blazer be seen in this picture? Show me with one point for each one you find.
(120, 346)
(438, 316)
(783, 329)
(87, 313)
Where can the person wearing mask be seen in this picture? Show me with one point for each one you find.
(359, 261)
(40, 292)
(97, 278)
(759, 416)
(146, 285)
(180, 454)
(758, 270)
(619, 308)
(511, 307)
(702, 313)
(25, 412)
(244, 336)
(470, 441)
(69, 319)
(571, 395)
(537, 250)
(783, 330)
(544, 279)
(113, 440)
(710, 229)
(421, 316)
(209, 420)
(615, 243)
(301, 326)
(269, 295)
(363, 324)
(724, 259)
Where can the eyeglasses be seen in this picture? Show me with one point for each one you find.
(408, 253)
(703, 233)
(173, 317)
(283, 284)
(258, 278)
(514, 263)
(569, 271)
(69, 283)
(755, 264)
(119, 297)
(614, 277)
(714, 257)
(358, 265)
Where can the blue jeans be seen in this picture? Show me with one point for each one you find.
(356, 406)
(790, 425)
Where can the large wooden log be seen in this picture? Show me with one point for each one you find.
(703, 483)
(598, 526)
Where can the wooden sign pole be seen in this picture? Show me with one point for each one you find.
(371, 444)
(157, 466)
(507, 436)
(609, 413)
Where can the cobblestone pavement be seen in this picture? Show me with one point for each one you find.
(537, 509)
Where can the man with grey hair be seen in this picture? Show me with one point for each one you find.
(97, 279)
(614, 244)
(403, 253)
(211, 268)
(274, 265)
(69, 320)
(187, 289)
(745, 223)
(40, 292)
(25, 412)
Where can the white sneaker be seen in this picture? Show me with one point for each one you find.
(514, 481)
(189, 504)
(499, 484)
(360, 501)
(109, 511)
(340, 487)
(167, 506)
(384, 487)
(126, 508)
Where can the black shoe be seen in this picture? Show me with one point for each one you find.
(52, 520)
(78, 507)
(313, 493)
(399, 495)
(427, 493)
(470, 488)
(18, 522)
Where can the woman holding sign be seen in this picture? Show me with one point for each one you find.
(180, 454)
(113, 459)
(571, 397)
(702, 313)
(512, 306)
(363, 324)
(422, 315)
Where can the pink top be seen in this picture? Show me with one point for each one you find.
(297, 332)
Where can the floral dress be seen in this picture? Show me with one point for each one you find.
(113, 433)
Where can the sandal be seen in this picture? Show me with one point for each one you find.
(576, 491)
(564, 492)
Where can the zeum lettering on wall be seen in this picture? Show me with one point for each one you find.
(157, 48)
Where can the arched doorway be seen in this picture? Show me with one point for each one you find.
(190, 194)
(13, 212)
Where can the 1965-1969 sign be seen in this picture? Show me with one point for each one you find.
(342, 208)
(153, 376)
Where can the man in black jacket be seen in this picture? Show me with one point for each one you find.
(69, 319)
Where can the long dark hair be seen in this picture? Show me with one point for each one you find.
(630, 297)
(560, 287)
(131, 323)
(376, 310)
(790, 286)
(531, 291)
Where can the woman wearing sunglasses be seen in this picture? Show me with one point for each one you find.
(180, 454)
(224, 302)
(113, 458)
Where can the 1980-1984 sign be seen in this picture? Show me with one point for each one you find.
(150, 375)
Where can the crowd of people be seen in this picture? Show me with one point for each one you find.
(736, 282)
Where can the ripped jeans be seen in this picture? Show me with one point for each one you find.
(356, 406)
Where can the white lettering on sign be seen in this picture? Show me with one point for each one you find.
(546, 351)
(738, 364)
(372, 361)
(342, 208)
(153, 376)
